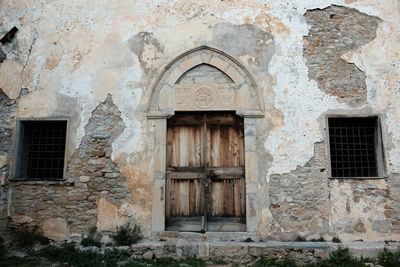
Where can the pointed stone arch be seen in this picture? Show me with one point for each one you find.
(240, 95)
(204, 79)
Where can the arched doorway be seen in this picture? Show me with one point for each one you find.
(204, 108)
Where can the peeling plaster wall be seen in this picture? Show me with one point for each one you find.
(67, 58)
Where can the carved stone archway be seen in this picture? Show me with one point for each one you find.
(204, 79)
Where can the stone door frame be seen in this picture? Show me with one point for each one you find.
(247, 103)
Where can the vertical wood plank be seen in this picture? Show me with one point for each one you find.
(191, 199)
(168, 199)
(223, 154)
(197, 197)
(177, 145)
(205, 196)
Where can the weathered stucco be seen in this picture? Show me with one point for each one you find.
(97, 63)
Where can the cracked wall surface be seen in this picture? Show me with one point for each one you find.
(97, 66)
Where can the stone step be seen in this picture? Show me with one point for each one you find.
(242, 252)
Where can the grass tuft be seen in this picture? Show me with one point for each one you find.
(3, 249)
(263, 262)
(321, 239)
(340, 258)
(387, 258)
(25, 237)
(127, 235)
(92, 239)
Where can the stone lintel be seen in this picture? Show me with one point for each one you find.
(250, 113)
(157, 115)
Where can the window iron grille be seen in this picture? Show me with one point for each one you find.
(353, 144)
(42, 150)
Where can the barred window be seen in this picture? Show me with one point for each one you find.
(41, 149)
(354, 147)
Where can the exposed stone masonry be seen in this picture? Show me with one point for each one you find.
(335, 31)
(35, 202)
(7, 107)
(6, 131)
(91, 165)
(2, 56)
(242, 253)
(93, 174)
(360, 207)
(306, 203)
(300, 199)
(394, 209)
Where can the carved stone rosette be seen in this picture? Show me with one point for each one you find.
(204, 97)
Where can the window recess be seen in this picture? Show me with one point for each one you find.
(355, 147)
(40, 149)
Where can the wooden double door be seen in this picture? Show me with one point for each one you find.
(205, 172)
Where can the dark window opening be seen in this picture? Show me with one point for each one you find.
(41, 149)
(353, 145)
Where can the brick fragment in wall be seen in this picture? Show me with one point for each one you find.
(334, 31)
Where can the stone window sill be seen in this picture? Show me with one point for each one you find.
(42, 182)
(358, 178)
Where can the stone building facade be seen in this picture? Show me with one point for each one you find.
(113, 77)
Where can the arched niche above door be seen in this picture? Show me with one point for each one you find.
(203, 79)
